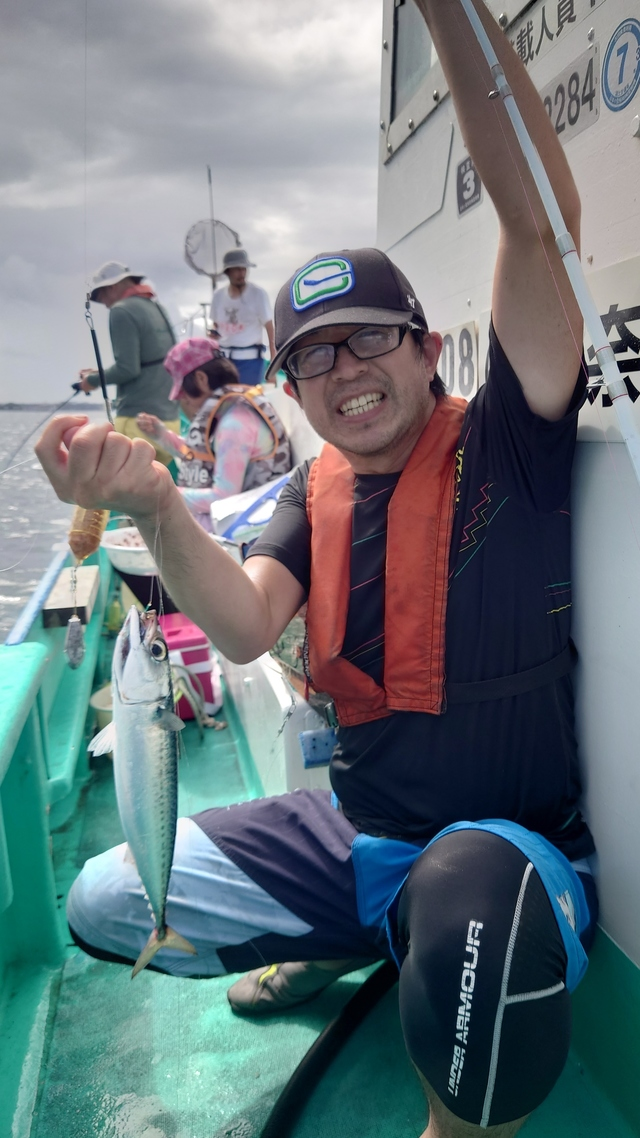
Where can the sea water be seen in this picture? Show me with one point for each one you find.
(33, 522)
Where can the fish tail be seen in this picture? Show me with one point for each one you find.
(171, 939)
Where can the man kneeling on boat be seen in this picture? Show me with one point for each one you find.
(428, 539)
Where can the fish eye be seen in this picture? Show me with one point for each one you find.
(158, 649)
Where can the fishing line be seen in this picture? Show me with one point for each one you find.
(87, 306)
(16, 563)
(17, 465)
(32, 432)
(84, 132)
(161, 1005)
(158, 558)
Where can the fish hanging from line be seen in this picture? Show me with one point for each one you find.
(143, 736)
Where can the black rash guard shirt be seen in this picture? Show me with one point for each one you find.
(509, 604)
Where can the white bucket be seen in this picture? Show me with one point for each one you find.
(102, 705)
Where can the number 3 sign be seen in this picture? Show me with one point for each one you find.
(468, 185)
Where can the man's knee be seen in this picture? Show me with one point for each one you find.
(101, 896)
(484, 1008)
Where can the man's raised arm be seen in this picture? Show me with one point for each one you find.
(243, 611)
(534, 311)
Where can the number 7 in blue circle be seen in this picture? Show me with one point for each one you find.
(622, 51)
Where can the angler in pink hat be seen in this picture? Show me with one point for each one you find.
(236, 440)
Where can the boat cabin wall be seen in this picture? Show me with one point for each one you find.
(434, 217)
(305, 443)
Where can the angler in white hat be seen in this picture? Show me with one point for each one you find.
(240, 312)
(141, 335)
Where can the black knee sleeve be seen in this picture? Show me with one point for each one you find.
(485, 1013)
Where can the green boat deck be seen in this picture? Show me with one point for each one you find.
(165, 1058)
(85, 1052)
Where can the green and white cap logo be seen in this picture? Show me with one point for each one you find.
(323, 279)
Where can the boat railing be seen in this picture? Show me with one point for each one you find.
(43, 723)
(33, 607)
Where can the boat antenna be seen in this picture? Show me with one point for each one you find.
(213, 231)
(614, 382)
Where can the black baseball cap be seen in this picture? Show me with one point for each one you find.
(355, 286)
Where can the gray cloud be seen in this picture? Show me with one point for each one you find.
(108, 160)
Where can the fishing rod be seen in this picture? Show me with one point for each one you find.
(612, 380)
(96, 347)
(87, 526)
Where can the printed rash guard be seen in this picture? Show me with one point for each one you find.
(411, 774)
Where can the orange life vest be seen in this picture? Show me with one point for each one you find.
(420, 518)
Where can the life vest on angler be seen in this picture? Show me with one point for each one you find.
(420, 519)
(200, 456)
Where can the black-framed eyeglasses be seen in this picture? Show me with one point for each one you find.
(365, 344)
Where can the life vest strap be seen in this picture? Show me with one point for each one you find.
(516, 684)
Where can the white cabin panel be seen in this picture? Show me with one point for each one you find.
(415, 166)
(606, 629)
(616, 291)
(448, 259)
(605, 157)
(455, 285)
(272, 714)
(305, 443)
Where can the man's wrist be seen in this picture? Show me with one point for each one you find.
(158, 513)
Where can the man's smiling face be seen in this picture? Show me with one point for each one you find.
(374, 410)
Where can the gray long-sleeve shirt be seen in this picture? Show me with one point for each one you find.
(141, 336)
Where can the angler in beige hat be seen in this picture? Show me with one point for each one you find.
(141, 335)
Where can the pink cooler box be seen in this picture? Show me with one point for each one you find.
(189, 647)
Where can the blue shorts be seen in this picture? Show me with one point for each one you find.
(485, 924)
(248, 878)
(382, 865)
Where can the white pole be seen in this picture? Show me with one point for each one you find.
(213, 231)
(615, 385)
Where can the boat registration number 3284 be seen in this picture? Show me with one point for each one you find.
(572, 99)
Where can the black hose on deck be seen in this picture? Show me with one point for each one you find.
(321, 1054)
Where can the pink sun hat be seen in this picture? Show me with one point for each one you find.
(186, 357)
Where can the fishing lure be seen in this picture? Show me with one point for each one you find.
(74, 642)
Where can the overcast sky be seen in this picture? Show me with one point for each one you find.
(112, 110)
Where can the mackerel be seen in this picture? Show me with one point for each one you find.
(144, 739)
